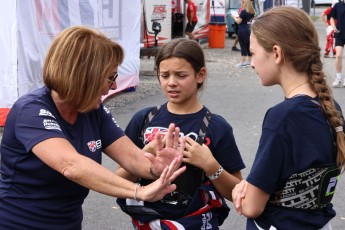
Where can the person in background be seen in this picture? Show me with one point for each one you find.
(177, 19)
(192, 19)
(244, 21)
(301, 149)
(211, 155)
(326, 16)
(234, 46)
(54, 137)
(338, 24)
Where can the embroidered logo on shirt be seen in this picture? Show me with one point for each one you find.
(51, 124)
(150, 133)
(44, 112)
(94, 145)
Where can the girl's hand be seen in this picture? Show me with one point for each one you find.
(151, 147)
(198, 155)
(165, 154)
(238, 194)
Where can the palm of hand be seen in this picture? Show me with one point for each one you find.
(166, 155)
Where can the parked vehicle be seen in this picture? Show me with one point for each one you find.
(233, 5)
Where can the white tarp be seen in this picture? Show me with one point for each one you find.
(28, 27)
(8, 56)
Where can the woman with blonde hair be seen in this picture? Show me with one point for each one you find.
(54, 138)
(301, 150)
(244, 20)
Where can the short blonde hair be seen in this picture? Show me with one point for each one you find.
(78, 64)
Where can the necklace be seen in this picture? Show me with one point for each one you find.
(296, 88)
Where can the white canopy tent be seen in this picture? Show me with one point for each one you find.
(28, 27)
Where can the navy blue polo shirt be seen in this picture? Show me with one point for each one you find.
(33, 195)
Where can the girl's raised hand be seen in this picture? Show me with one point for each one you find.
(166, 153)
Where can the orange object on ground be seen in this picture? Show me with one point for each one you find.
(216, 36)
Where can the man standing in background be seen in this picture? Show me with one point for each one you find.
(192, 19)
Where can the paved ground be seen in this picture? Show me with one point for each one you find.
(237, 95)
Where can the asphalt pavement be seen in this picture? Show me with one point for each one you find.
(234, 93)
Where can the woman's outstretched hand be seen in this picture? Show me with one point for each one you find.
(162, 186)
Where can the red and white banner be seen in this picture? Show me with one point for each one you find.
(156, 22)
(157, 17)
(28, 27)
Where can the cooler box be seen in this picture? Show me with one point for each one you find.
(216, 36)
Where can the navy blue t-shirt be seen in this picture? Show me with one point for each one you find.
(246, 17)
(219, 138)
(338, 13)
(244, 28)
(295, 137)
(33, 195)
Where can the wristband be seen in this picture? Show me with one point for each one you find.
(217, 174)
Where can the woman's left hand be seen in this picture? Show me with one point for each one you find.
(162, 186)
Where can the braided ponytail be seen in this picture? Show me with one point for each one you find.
(318, 82)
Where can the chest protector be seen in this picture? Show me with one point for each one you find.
(310, 190)
(187, 183)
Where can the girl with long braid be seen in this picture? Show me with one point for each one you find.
(301, 150)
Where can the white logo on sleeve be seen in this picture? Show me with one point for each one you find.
(51, 124)
(44, 112)
(106, 109)
(115, 122)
